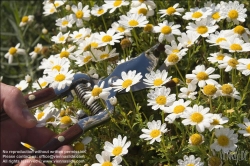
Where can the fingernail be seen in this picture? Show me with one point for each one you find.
(28, 116)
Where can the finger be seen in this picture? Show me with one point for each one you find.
(15, 106)
(63, 155)
(30, 162)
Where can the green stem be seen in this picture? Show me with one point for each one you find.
(179, 73)
(104, 23)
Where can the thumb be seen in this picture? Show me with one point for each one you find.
(13, 103)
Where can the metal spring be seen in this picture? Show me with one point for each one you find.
(81, 90)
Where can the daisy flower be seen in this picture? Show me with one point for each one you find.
(229, 90)
(81, 146)
(103, 55)
(244, 66)
(188, 39)
(148, 28)
(114, 4)
(160, 98)
(22, 85)
(175, 49)
(84, 58)
(176, 110)
(172, 59)
(132, 20)
(203, 27)
(245, 128)
(60, 79)
(218, 121)
(26, 20)
(203, 76)
(156, 78)
(142, 9)
(37, 50)
(66, 53)
(217, 37)
(136, 3)
(63, 121)
(233, 11)
(119, 147)
(81, 13)
(104, 159)
(49, 9)
(65, 22)
(167, 30)
(40, 83)
(235, 44)
(118, 28)
(127, 80)
(210, 90)
(226, 140)
(13, 51)
(56, 3)
(196, 139)
(60, 38)
(110, 37)
(242, 32)
(98, 10)
(172, 10)
(154, 131)
(190, 160)
(217, 57)
(189, 92)
(197, 116)
(57, 64)
(216, 14)
(197, 14)
(228, 63)
(80, 34)
(97, 92)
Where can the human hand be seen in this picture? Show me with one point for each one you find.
(21, 127)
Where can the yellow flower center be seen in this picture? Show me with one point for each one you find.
(220, 57)
(235, 47)
(197, 117)
(227, 89)
(179, 109)
(248, 66)
(196, 14)
(94, 44)
(78, 36)
(107, 163)
(60, 77)
(202, 29)
(104, 56)
(100, 11)
(25, 19)
(170, 10)
(64, 54)
(121, 29)
(173, 58)
(216, 15)
(143, 11)
(96, 91)
(62, 113)
(248, 129)
(87, 59)
(52, 119)
(214, 161)
(106, 38)
(141, 1)
(65, 22)
(117, 150)
(220, 39)
(176, 80)
(196, 139)
(117, 3)
(79, 146)
(202, 76)
(239, 29)
(233, 14)
(158, 82)
(56, 4)
(86, 48)
(191, 164)
(66, 120)
(37, 49)
(52, 10)
(166, 30)
(127, 83)
(161, 100)
(148, 28)
(40, 115)
(223, 140)
(155, 133)
(133, 23)
(175, 50)
(62, 38)
(233, 62)
(209, 89)
(43, 84)
(79, 14)
(12, 50)
(215, 122)
(57, 67)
